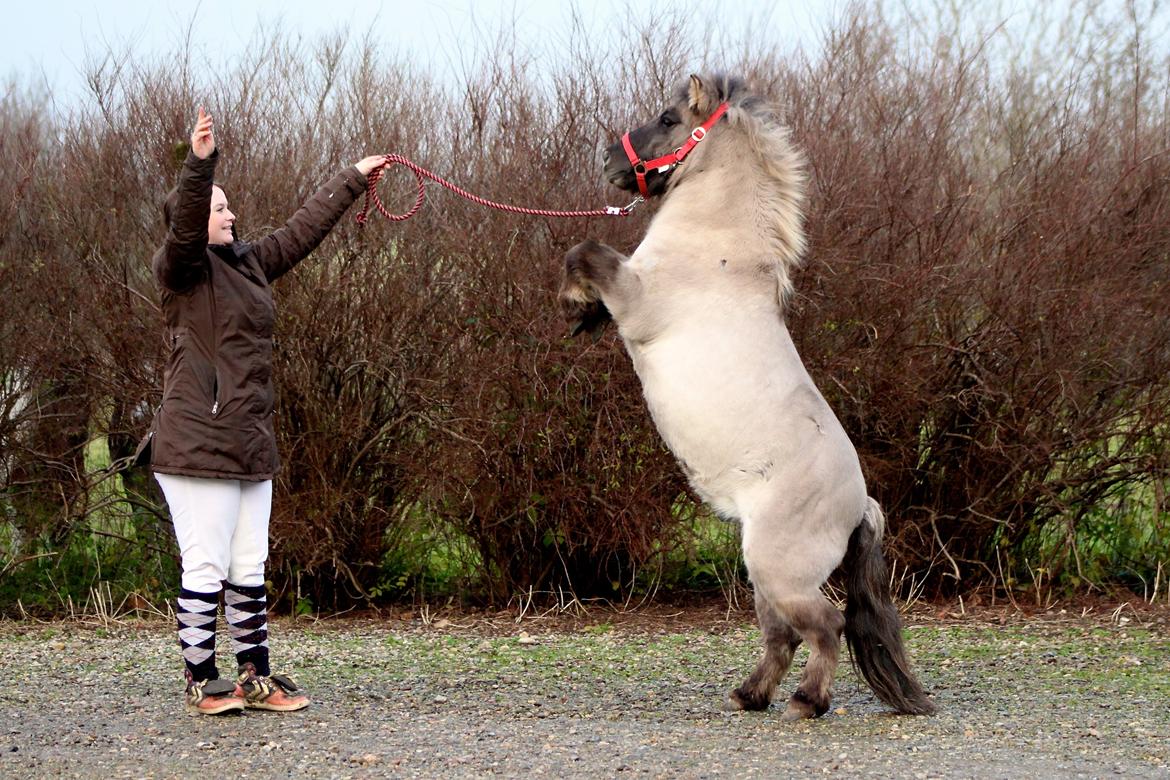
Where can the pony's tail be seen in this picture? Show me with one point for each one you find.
(872, 628)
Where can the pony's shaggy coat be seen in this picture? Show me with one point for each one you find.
(700, 307)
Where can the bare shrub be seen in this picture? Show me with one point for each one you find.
(982, 304)
(541, 450)
(983, 296)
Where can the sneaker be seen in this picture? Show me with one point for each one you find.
(276, 692)
(212, 697)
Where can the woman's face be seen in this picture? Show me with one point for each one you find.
(219, 225)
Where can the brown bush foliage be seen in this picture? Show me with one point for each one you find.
(984, 300)
(982, 304)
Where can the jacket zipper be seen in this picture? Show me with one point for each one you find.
(214, 338)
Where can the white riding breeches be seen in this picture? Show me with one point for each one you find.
(222, 529)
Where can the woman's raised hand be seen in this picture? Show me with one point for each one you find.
(368, 164)
(202, 139)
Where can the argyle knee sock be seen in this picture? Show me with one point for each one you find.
(246, 609)
(196, 617)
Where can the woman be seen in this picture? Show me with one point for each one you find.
(212, 446)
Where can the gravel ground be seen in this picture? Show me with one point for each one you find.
(611, 695)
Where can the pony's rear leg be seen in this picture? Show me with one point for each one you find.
(780, 642)
(820, 624)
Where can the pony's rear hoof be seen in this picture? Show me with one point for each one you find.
(740, 699)
(795, 713)
(802, 707)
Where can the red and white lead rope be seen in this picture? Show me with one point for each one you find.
(420, 173)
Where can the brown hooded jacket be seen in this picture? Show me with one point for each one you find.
(215, 419)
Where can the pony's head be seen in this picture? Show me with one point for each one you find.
(757, 146)
(694, 103)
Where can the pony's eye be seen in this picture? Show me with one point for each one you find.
(666, 120)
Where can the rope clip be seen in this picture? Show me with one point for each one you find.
(621, 211)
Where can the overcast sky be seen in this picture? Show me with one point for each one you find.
(49, 41)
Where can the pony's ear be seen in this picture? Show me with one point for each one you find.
(699, 101)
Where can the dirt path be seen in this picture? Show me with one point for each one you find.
(610, 696)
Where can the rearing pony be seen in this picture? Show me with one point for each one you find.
(700, 306)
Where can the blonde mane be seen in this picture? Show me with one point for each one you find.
(780, 215)
(769, 141)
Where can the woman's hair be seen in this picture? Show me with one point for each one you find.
(171, 204)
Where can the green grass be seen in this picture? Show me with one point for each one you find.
(599, 656)
(112, 551)
(118, 550)
(1132, 662)
(1123, 538)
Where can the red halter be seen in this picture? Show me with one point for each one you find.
(668, 161)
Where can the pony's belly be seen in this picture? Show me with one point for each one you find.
(715, 409)
(708, 381)
(737, 419)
